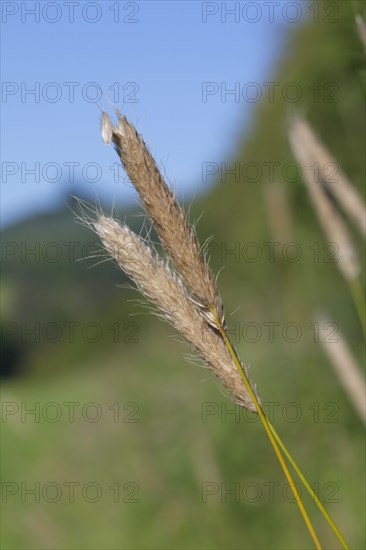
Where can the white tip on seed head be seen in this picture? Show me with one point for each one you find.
(106, 128)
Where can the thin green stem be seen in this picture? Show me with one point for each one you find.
(269, 432)
(308, 488)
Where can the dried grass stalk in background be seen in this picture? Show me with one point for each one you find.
(176, 234)
(361, 27)
(308, 148)
(278, 213)
(344, 364)
(156, 281)
(307, 152)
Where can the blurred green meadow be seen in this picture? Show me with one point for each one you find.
(130, 445)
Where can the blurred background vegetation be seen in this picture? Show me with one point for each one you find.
(173, 448)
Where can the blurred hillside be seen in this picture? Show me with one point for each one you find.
(113, 356)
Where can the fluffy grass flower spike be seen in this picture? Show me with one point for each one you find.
(187, 297)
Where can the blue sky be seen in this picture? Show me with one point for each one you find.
(151, 59)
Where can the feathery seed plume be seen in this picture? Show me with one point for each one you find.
(176, 234)
(156, 281)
